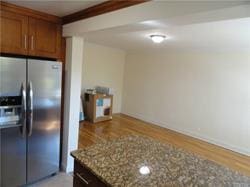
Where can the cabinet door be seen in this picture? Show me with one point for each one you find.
(13, 33)
(44, 38)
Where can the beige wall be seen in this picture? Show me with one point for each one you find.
(104, 66)
(203, 95)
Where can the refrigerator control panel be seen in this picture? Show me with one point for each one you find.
(10, 110)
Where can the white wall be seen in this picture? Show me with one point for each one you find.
(104, 66)
(203, 95)
(73, 70)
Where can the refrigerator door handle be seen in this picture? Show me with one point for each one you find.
(30, 108)
(23, 112)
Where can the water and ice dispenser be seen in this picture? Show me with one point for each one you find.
(10, 110)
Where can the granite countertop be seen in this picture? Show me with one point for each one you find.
(141, 161)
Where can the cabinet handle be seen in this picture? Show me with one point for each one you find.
(32, 42)
(82, 179)
(25, 41)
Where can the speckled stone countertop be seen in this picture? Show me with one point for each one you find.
(141, 161)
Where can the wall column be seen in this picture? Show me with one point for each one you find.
(73, 71)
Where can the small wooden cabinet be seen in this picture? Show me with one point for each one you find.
(98, 107)
(23, 32)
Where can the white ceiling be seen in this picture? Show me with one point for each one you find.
(56, 7)
(189, 26)
(226, 35)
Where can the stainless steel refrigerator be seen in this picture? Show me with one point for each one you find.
(30, 104)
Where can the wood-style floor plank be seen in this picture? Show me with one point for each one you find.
(122, 125)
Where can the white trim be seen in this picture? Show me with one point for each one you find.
(202, 137)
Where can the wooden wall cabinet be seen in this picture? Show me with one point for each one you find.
(29, 34)
(44, 38)
(14, 33)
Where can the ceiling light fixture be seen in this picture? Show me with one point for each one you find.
(157, 38)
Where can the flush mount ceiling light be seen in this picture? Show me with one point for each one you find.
(157, 38)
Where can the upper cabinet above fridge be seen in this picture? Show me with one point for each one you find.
(27, 32)
(14, 33)
(44, 38)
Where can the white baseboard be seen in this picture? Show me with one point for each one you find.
(203, 137)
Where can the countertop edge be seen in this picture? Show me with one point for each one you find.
(88, 168)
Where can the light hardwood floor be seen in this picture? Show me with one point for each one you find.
(124, 125)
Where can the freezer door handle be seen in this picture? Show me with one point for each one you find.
(24, 108)
(30, 108)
